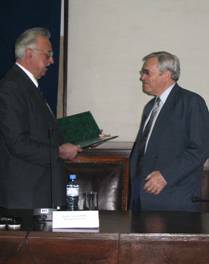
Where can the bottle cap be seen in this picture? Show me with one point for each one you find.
(72, 176)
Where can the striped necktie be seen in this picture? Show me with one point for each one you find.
(152, 116)
(148, 126)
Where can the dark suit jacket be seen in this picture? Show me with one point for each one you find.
(31, 174)
(178, 147)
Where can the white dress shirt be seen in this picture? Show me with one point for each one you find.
(29, 74)
(163, 97)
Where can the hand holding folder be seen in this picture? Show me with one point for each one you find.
(81, 129)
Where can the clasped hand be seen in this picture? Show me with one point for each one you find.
(154, 183)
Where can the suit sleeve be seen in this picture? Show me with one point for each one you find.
(197, 147)
(15, 129)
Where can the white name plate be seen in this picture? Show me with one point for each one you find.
(75, 219)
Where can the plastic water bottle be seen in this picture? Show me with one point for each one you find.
(72, 193)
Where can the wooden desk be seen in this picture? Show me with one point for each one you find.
(148, 238)
(112, 153)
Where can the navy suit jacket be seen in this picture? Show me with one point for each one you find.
(31, 174)
(178, 148)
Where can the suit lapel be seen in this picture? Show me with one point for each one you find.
(164, 115)
(35, 91)
(146, 112)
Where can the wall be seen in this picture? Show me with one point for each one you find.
(108, 38)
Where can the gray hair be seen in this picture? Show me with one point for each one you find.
(28, 40)
(167, 62)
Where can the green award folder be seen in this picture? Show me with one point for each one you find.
(81, 129)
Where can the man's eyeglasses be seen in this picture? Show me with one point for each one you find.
(48, 54)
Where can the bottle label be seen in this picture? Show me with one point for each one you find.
(72, 191)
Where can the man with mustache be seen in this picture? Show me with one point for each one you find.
(32, 151)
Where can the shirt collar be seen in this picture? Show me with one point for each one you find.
(29, 74)
(165, 94)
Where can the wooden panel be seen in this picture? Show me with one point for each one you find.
(75, 249)
(14, 248)
(163, 250)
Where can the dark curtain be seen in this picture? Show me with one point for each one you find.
(18, 15)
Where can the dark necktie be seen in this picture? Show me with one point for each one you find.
(148, 126)
(45, 101)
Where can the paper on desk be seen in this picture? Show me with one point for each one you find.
(76, 230)
(75, 219)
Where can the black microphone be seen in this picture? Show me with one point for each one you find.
(45, 214)
(51, 132)
(51, 167)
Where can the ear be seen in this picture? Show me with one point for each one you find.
(28, 52)
(167, 74)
